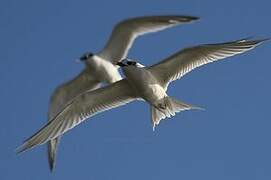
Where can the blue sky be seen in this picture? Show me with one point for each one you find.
(230, 140)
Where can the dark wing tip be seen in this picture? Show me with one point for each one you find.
(252, 38)
(51, 164)
(193, 18)
(51, 157)
(256, 42)
(179, 18)
(170, 18)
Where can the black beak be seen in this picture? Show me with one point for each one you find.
(82, 59)
(121, 64)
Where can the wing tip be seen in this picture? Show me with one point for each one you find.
(51, 165)
(253, 39)
(22, 148)
(184, 18)
(256, 42)
(194, 18)
(249, 42)
(262, 40)
(51, 154)
(198, 108)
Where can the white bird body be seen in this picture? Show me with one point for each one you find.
(144, 84)
(148, 83)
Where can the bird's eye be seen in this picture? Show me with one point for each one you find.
(129, 63)
(89, 55)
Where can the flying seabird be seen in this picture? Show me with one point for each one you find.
(141, 83)
(102, 68)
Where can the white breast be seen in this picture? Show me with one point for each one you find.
(144, 83)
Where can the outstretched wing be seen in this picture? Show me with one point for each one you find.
(61, 96)
(67, 91)
(177, 65)
(125, 32)
(79, 109)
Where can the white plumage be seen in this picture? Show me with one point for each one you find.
(101, 67)
(147, 83)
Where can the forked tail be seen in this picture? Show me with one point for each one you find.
(168, 107)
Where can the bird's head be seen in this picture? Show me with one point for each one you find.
(129, 62)
(86, 56)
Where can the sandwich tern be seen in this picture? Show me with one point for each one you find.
(101, 67)
(141, 83)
